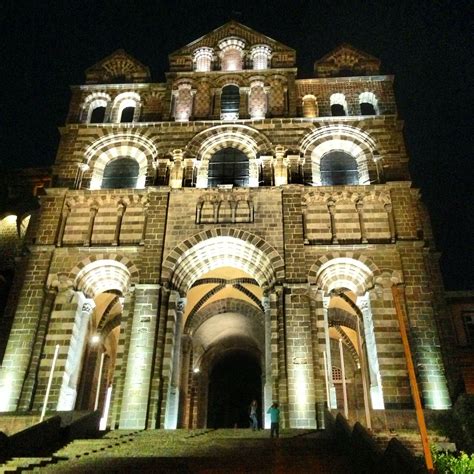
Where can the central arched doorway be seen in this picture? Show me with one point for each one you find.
(222, 357)
(234, 381)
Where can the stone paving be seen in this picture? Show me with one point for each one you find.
(196, 451)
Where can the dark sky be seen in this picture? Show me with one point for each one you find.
(427, 45)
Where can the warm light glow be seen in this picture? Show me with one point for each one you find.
(95, 339)
(11, 219)
(5, 392)
(103, 275)
(196, 370)
(301, 388)
(105, 413)
(223, 251)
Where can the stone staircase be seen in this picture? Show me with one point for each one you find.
(196, 451)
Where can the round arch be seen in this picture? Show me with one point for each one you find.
(111, 147)
(102, 272)
(227, 305)
(241, 137)
(219, 247)
(96, 99)
(126, 99)
(342, 138)
(355, 272)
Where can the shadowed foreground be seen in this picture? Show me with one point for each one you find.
(196, 451)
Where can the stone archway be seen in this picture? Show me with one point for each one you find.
(345, 281)
(240, 137)
(220, 314)
(229, 332)
(101, 282)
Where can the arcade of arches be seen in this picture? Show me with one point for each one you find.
(225, 330)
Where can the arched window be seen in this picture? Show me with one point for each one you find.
(203, 59)
(94, 108)
(97, 115)
(230, 102)
(126, 107)
(120, 173)
(368, 103)
(338, 167)
(127, 114)
(228, 166)
(338, 105)
(337, 110)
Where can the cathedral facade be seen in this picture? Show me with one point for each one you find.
(233, 211)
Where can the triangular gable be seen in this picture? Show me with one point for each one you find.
(282, 55)
(345, 58)
(118, 67)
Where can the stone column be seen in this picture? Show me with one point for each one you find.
(67, 310)
(118, 226)
(423, 333)
(376, 393)
(268, 383)
(81, 169)
(301, 390)
(155, 412)
(360, 213)
(172, 404)
(282, 356)
(280, 166)
(185, 385)
(319, 343)
(64, 217)
(68, 391)
(121, 360)
(31, 378)
(140, 357)
(176, 169)
(92, 215)
(332, 216)
(391, 221)
(332, 389)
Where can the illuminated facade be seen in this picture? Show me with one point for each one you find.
(233, 209)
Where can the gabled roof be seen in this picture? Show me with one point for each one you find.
(119, 66)
(347, 58)
(233, 28)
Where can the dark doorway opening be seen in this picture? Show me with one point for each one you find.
(235, 381)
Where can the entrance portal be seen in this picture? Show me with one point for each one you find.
(235, 380)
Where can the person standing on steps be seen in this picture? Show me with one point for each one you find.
(274, 412)
(253, 415)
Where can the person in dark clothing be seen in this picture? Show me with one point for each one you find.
(253, 415)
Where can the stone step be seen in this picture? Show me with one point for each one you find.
(209, 451)
(22, 464)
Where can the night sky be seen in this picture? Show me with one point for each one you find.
(427, 45)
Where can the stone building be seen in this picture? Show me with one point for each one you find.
(231, 212)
